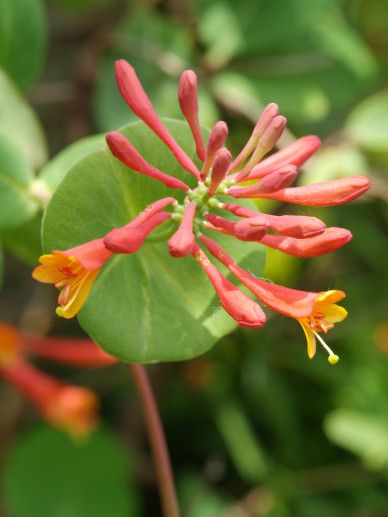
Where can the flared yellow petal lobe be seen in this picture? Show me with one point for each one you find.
(335, 313)
(78, 295)
(310, 338)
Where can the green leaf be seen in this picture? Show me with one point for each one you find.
(49, 474)
(23, 38)
(146, 306)
(20, 123)
(57, 168)
(17, 205)
(363, 434)
(367, 124)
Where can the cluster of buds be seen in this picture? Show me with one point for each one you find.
(70, 408)
(208, 207)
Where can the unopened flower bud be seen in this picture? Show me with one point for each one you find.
(220, 168)
(182, 242)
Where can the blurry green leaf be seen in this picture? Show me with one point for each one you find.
(16, 176)
(20, 123)
(25, 241)
(238, 93)
(146, 306)
(57, 168)
(340, 40)
(367, 124)
(363, 434)
(197, 499)
(23, 38)
(159, 49)
(219, 30)
(81, 5)
(48, 474)
(241, 442)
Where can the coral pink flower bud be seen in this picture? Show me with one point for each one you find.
(328, 193)
(134, 95)
(296, 154)
(188, 101)
(298, 226)
(220, 223)
(251, 229)
(269, 112)
(124, 151)
(67, 407)
(238, 305)
(130, 237)
(72, 351)
(152, 209)
(329, 240)
(220, 168)
(182, 242)
(266, 142)
(273, 182)
(290, 302)
(216, 140)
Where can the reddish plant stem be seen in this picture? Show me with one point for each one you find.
(157, 440)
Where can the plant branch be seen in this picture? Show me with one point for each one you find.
(157, 440)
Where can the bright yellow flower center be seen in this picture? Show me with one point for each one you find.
(68, 274)
(323, 317)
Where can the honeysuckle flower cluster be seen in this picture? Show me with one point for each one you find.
(70, 408)
(220, 182)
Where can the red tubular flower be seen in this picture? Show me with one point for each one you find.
(296, 154)
(130, 237)
(188, 101)
(269, 113)
(72, 351)
(273, 182)
(74, 272)
(243, 310)
(316, 312)
(330, 193)
(329, 240)
(216, 140)
(252, 229)
(138, 101)
(220, 167)
(298, 226)
(183, 240)
(266, 142)
(67, 407)
(124, 151)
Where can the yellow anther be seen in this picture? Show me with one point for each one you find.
(59, 312)
(333, 359)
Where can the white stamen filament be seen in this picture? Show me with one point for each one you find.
(333, 358)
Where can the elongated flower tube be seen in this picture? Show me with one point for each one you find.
(330, 193)
(217, 138)
(183, 240)
(298, 226)
(252, 229)
(220, 168)
(296, 154)
(269, 113)
(316, 312)
(124, 151)
(265, 143)
(72, 351)
(273, 182)
(130, 237)
(74, 272)
(188, 101)
(243, 310)
(329, 240)
(134, 95)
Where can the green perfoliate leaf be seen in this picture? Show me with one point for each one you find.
(20, 123)
(17, 204)
(57, 168)
(49, 474)
(146, 306)
(23, 38)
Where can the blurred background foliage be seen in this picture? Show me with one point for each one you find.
(255, 429)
